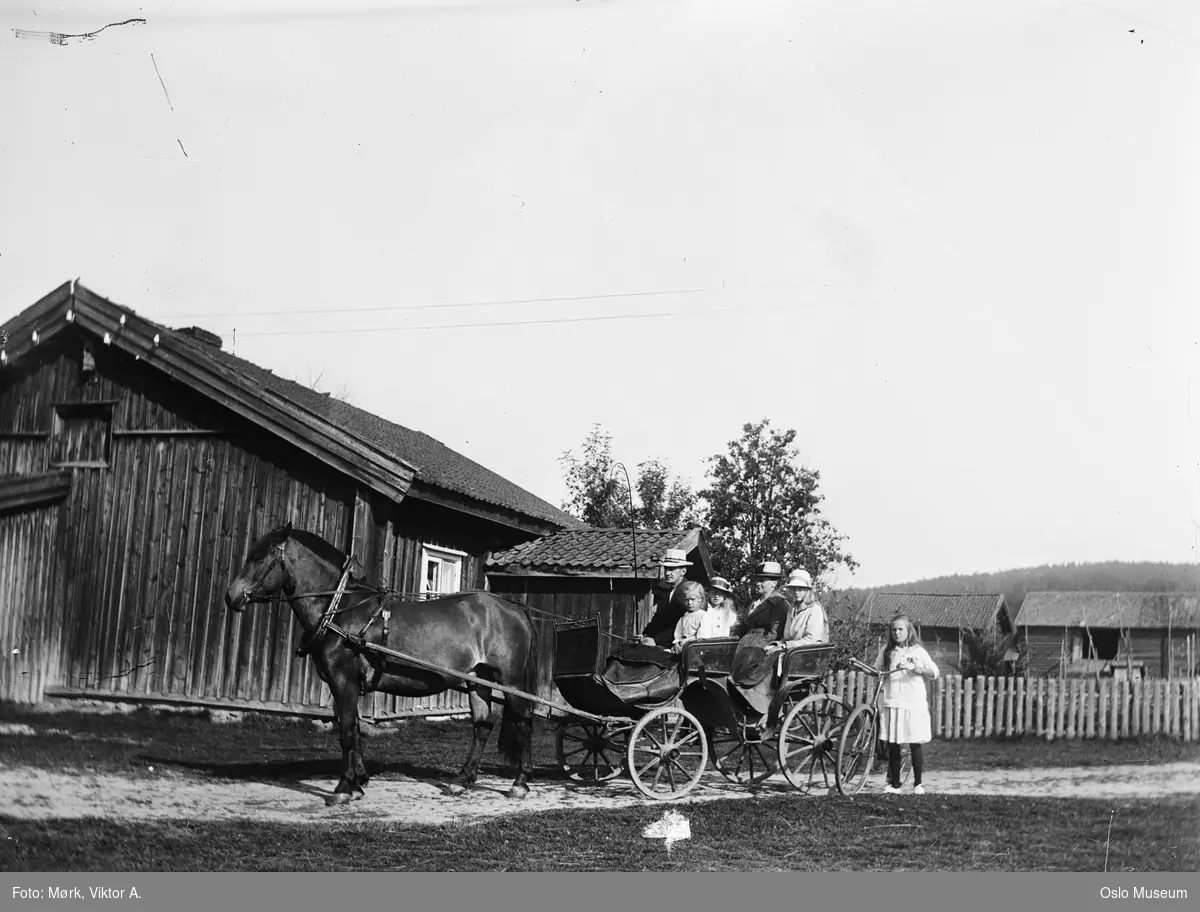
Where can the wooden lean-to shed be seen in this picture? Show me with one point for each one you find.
(580, 573)
(137, 465)
(1138, 634)
(941, 621)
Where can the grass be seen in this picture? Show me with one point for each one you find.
(955, 833)
(777, 832)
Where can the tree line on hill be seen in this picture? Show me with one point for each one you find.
(1104, 576)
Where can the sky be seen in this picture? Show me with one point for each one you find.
(953, 245)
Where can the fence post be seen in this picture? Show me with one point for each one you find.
(1172, 708)
(937, 706)
(1089, 708)
(1020, 706)
(1193, 708)
(1010, 704)
(989, 697)
(1036, 693)
(1145, 714)
(1135, 707)
(1113, 704)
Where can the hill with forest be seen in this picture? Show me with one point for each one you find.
(1107, 576)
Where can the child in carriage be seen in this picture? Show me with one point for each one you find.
(697, 623)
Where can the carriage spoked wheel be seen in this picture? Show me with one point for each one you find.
(587, 752)
(808, 742)
(857, 755)
(667, 752)
(741, 761)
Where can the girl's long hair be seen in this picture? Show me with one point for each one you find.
(910, 640)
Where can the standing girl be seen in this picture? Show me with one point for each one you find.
(904, 704)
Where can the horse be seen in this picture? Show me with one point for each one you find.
(476, 633)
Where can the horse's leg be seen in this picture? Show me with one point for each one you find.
(481, 730)
(516, 742)
(345, 701)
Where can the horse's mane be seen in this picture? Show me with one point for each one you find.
(310, 540)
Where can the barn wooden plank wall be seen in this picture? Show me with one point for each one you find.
(118, 590)
(28, 644)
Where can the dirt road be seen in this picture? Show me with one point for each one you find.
(33, 793)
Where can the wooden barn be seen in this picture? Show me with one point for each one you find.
(137, 465)
(1138, 634)
(940, 620)
(580, 573)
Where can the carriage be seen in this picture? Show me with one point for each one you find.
(664, 734)
(662, 730)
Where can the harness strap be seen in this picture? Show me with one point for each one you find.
(307, 641)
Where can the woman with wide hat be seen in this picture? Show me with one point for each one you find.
(752, 666)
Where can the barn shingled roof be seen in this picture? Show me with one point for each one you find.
(595, 550)
(437, 464)
(964, 611)
(1110, 609)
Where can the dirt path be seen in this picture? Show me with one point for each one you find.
(34, 793)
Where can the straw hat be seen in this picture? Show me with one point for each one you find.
(720, 584)
(799, 579)
(769, 570)
(675, 557)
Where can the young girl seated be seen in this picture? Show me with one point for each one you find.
(697, 623)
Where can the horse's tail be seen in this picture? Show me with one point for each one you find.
(516, 724)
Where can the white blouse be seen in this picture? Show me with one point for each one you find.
(906, 689)
(699, 625)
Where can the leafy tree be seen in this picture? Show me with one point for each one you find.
(600, 497)
(762, 505)
(595, 494)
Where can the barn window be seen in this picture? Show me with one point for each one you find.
(82, 434)
(441, 571)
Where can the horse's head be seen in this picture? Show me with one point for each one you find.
(266, 571)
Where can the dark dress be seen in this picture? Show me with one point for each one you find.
(751, 669)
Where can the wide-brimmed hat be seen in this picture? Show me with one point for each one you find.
(799, 579)
(769, 570)
(675, 557)
(720, 584)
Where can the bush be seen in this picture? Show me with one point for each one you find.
(989, 655)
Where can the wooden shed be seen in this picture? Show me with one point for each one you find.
(1146, 634)
(580, 573)
(940, 620)
(137, 465)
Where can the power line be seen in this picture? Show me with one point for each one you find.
(341, 310)
(642, 316)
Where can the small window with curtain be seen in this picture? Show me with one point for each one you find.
(441, 571)
(82, 435)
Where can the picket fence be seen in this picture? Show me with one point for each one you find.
(1106, 708)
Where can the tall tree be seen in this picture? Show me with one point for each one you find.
(762, 505)
(600, 497)
(595, 493)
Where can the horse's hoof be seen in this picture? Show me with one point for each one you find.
(518, 792)
(337, 798)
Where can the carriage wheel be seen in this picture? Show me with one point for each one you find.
(666, 753)
(586, 751)
(808, 742)
(856, 756)
(741, 761)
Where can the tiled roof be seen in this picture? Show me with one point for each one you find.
(437, 464)
(580, 550)
(966, 611)
(1110, 609)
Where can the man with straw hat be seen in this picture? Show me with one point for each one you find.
(668, 606)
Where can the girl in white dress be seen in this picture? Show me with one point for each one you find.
(904, 704)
